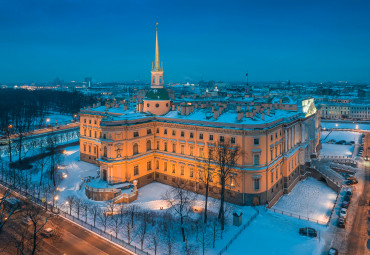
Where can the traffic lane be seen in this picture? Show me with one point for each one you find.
(74, 237)
(88, 239)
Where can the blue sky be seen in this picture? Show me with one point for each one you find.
(294, 40)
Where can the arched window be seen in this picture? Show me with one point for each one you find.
(148, 145)
(135, 149)
(105, 153)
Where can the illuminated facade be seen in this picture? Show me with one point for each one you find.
(157, 140)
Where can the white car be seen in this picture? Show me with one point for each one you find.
(343, 213)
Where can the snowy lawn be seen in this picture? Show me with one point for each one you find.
(75, 170)
(309, 198)
(272, 233)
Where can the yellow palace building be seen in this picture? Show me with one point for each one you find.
(159, 140)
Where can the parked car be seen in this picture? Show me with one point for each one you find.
(347, 198)
(47, 232)
(333, 251)
(345, 204)
(350, 177)
(349, 193)
(308, 232)
(341, 223)
(351, 182)
(343, 213)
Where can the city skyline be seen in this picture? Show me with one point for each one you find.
(306, 41)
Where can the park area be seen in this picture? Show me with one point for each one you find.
(152, 222)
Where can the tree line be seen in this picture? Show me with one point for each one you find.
(21, 108)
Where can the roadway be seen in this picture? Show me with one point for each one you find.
(71, 239)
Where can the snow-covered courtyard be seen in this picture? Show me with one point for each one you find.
(329, 146)
(309, 198)
(272, 233)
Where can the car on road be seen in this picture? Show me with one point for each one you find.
(13, 204)
(350, 177)
(333, 251)
(347, 198)
(47, 232)
(351, 182)
(308, 232)
(27, 221)
(341, 222)
(343, 213)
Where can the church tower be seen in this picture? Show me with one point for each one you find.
(157, 70)
(157, 101)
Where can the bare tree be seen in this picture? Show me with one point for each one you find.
(115, 221)
(54, 156)
(225, 158)
(9, 131)
(94, 210)
(78, 203)
(203, 238)
(127, 228)
(154, 239)
(38, 219)
(111, 207)
(215, 231)
(169, 238)
(6, 210)
(103, 217)
(70, 201)
(42, 162)
(132, 209)
(180, 201)
(142, 233)
(206, 176)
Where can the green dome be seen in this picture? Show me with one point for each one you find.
(157, 94)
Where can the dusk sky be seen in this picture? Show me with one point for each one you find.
(211, 40)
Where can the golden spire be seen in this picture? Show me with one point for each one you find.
(157, 65)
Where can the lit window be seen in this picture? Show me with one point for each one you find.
(173, 168)
(182, 170)
(136, 170)
(149, 165)
(201, 152)
(182, 149)
(191, 151)
(165, 166)
(191, 172)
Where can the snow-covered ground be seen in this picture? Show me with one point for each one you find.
(309, 198)
(269, 233)
(277, 234)
(345, 125)
(338, 149)
(76, 170)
